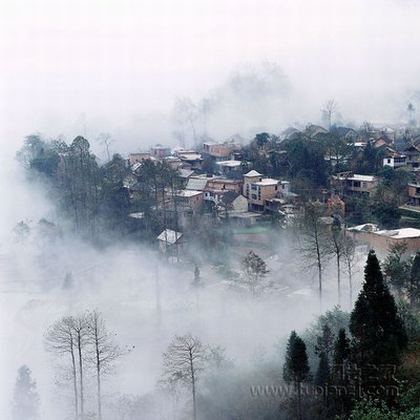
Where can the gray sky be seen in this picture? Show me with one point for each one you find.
(117, 59)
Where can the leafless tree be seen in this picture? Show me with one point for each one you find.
(336, 247)
(80, 331)
(104, 351)
(105, 140)
(61, 339)
(329, 110)
(185, 113)
(183, 362)
(313, 240)
(349, 253)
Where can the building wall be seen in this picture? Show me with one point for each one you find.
(414, 194)
(381, 243)
(259, 193)
(194, 202)
(218, 184)
(350, 186)
(217, 150)
(240, 204)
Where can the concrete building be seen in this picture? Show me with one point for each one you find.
(381, 240)
(413, 157)
(190, 199)
(159, 151)
(414, 194)
(394, 159)
(229, 167)
(220, 151)
(349, 183)
(258, 190)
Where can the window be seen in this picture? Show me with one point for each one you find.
(254, 196)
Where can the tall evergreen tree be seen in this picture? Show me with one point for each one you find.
(296, 367)
(325, 343)
(341, 400)
(25, 397)
(341, 348)
(378, 332)
(323, 372)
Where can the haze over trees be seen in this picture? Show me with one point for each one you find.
(94, 200)
(25, 405)
(183, 363)
(86, 343)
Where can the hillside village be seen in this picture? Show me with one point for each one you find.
(279, 222)
(367, 179)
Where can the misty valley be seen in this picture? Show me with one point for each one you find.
(210, 210)
(174, 283)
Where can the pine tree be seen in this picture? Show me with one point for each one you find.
(25, 397)
(296, 367)
(414, 291)
(325, 343)
(341, 348)
(341, 401)
(323, 372)
(378, 332)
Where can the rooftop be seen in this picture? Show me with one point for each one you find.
(188, 193)
(366, 178)
(189, 156)
(169, 236)
(267, 181)
(356, 177)
(230, 163)
(404, 233)
(197, 184)
(252, 173)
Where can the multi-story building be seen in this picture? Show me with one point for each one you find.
(220, 151)
(413, 157)
(414, 194)
(394, 159)
(258, 190)
(349, 183)
(159, 151)
(190, 199)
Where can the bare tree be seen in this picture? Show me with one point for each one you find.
(183, 362)
(60, 339)
(104, 351)
(349, 253)
(336, 248)
(329, 110)
(313, 240)
(105, 140)
(185, 113)
(80, 331)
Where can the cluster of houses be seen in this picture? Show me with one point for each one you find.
(241, 197)
(234, 190)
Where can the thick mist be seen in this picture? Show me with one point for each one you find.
(118, 66)
(144, 301)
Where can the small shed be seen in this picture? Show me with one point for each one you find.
(169, 241)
